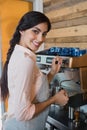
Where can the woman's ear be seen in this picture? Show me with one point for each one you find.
(21, 32)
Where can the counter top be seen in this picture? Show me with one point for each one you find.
(59, 119)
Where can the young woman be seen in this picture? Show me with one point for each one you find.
(26, 87)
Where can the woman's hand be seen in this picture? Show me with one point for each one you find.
(56, 64)
(55, 67)
(61, 97)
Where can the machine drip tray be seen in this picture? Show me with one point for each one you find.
(58, 118)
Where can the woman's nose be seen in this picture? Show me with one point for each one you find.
(40, 38)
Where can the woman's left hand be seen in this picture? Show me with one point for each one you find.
(56, 65)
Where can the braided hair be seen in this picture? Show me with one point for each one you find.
(29, 20)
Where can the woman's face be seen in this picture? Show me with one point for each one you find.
(33, 38)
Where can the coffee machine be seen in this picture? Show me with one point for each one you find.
(73, 58)
(74, 61)
(79, 100)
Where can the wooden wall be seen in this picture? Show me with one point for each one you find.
(69, 23)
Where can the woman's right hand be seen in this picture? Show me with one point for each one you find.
(61, 98)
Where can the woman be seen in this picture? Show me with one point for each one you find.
(23, 82)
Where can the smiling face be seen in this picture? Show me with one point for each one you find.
(33, 38)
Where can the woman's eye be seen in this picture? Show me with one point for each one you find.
(35, 31)
(44, 34)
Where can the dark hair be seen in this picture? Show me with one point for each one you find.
(29, 20)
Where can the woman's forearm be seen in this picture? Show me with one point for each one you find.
(60, 98)
(39, 107)
(50, 77)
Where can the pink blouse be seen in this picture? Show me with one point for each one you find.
(24, 82)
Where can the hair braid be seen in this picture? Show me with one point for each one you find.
(4, 79)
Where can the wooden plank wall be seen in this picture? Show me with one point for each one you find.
(69, 23)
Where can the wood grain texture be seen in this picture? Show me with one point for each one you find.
(78, 45)
(69, 23)
(53, 14)
(70, 31)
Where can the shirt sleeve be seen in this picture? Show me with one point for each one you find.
(24, 109)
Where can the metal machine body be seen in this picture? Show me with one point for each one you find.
(80, 63)
(75, 63)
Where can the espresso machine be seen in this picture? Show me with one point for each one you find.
(72, 77)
